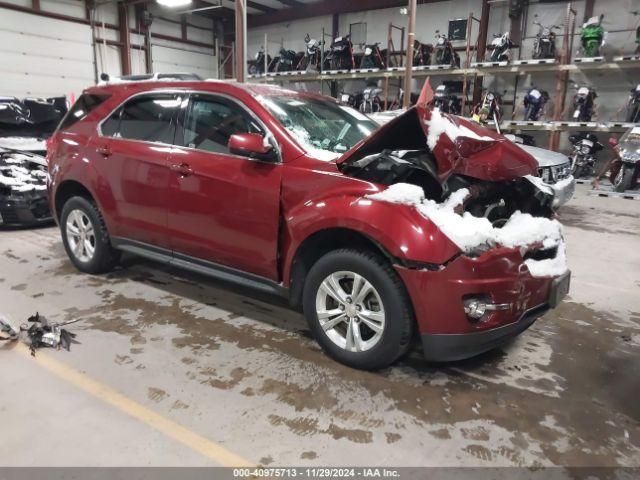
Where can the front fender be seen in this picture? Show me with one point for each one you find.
(399, 229)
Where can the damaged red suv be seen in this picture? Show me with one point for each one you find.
(428, 227)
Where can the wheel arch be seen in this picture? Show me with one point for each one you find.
(66, 190)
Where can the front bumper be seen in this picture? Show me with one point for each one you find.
(563, 191)
(499, 275)
(24, 210)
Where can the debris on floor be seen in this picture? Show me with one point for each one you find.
(39, 333)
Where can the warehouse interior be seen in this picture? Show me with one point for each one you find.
(475, 164)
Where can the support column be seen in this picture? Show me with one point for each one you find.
(240, 44)
(562, 79)
(481, 49)
(408, 68)
(125, 38)
(335, 31)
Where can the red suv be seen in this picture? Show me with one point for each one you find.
(429, 225)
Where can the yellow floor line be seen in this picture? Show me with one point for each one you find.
(103, 392)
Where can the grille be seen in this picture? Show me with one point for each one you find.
(556, 173)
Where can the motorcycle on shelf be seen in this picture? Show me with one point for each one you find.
(489, 110)
(544, 45)
(372, 57)
(340, 54)
(584, 147)
(446, 101)
(534, 103)
(350, 99)
(287, 61)
(592, 36)
(256, 66)
(445, 53)
(371, 102)
(311, 60)
(422, 53)
(627, 169)
(501, 47)
(584, 104)
(633, 105)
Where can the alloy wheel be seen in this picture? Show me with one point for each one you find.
(350, 311)
(80, 235)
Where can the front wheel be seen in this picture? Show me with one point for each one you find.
(622, 181)
(85, 237)
(358, 309)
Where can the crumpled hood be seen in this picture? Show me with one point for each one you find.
(459, 145)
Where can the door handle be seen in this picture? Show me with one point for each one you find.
(184, 169)
(104, 150)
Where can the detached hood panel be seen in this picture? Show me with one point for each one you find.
(460, 146)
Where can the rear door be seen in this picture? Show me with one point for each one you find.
(133, 156)
(223, 208)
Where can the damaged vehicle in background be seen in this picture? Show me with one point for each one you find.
(24, 127)
(429, 227)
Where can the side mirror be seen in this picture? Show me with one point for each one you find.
(252, 145)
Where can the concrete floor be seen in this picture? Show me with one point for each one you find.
(238, 371)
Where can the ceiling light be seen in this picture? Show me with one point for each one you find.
(174, 3)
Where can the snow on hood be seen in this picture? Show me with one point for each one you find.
(22, 172)
(472, 234)
(29, 144)
(439, 125)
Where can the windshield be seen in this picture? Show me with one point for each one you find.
(323, 128)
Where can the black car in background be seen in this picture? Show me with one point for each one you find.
(24, 126)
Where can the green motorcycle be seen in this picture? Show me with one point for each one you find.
(592, 36)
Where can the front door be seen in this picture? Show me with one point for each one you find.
(223, 208)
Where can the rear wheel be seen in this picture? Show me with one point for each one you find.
(358, 309)
(622, 180)
(85, 237)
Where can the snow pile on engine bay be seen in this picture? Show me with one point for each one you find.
(439, 124)
(22, 173)
(471, 233)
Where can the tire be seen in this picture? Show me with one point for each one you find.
(104, 257)
(388, 295)
(623, 179)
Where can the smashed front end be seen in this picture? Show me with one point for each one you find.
(23, 188)
(483, 193)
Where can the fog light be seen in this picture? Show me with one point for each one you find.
(476, 307)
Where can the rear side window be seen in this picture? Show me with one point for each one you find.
(85, 104)
(149, 118)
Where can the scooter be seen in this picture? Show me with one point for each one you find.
(256, 66)
(544, 45)
(502, 46)
(372, 57)
(422, 53)
(584, 104)
(584, 147)
(534, 103)
(371, 102)
(446, 101)
(445, 53)
(633, 105)
(489, 110)
(340, 55)
(592, 36)
(312, 56)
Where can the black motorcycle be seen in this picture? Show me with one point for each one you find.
(446, 101)
(287, 61)
(584, 147)
(311, 59)
(584, 104)
(534, 103)
(501, 47)
(256, 66)
(445, 53)
(372, 57)
(544, 45)
(422, 53)
(340, 54)
(633, 105)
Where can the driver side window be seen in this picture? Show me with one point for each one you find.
(210, 121)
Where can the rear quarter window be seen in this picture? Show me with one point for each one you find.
(85, 104)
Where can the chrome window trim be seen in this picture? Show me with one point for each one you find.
(188, 93)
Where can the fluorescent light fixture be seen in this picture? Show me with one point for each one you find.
(174, 3)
